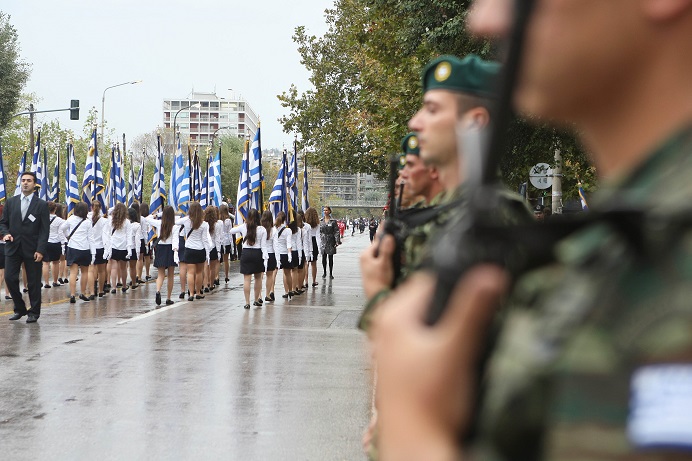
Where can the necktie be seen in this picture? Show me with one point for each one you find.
(26, 200)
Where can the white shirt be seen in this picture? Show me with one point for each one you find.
(136, 235)
(315, 233)
(270, 239)
(54, 232)
(197, 239)
(120, 239)
(307, 241)
(296, 241)
(283, 242)
(260, 239)
(172, 239)
(83, 237)
(144, 228)
(97, 230)
(218, 235)
(226, 236)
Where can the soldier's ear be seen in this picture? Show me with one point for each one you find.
(666, 10)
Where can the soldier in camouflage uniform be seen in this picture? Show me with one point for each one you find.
(594, 359)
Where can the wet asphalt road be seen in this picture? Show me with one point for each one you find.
(117, 379)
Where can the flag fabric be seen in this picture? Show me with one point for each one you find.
(22, 167)
(93, 187)
(306, 202)
(205, 197)
(131, 185)
(278, 200)
(116, 182)
(71, 183)
(37, 166)
(3, 189)
(36, 158)
(55, 188)
(158, 187)
(292, 180)
(197, 177)
(180, 182)
(217, 194)
(582, 198)
(42, 177)
(256, 176)
(137, 190)
(243, 197)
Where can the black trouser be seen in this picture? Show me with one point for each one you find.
(13, 269)
(324, 263)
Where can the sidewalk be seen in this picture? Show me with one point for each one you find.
(118, 379)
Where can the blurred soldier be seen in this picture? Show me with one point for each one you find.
(594, 359)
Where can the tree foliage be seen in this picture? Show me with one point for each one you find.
(13, 71)
(365, 71)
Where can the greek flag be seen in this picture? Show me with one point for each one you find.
(3, 192)
(55, 189)
(37, 166)
(180, 182)
(197, 178)
(22, 167)
(138, 185)
(131, 185)
(292, 178)
(243, 202)
(256, 176)
(93, 187)
(42, 176)
(216, 188)
(306, 202)
(158, 188)
(116, 182)
(36, 159)
(582, 198)
(205, 198)
(278, 200)
(71, 184)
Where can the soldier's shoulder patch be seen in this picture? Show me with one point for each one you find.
(660, 414)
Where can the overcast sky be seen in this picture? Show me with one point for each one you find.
(77, 48)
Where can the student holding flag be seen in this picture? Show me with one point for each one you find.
(117, 240)
(254, 260)
(268, 224)
(54, 247)
(197, 248)
(283, 248)
(166, 250)
(211, 217)
(98, 275)
(136, 227)
(312, 220)
(81, 250)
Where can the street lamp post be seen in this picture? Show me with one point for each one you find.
(103, 102)
(175, 118)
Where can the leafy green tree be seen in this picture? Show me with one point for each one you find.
(14, 72)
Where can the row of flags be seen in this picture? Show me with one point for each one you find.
(188, 181)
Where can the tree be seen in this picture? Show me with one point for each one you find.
(366, 76)
(14, 72)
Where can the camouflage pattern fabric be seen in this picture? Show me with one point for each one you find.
(565, 381)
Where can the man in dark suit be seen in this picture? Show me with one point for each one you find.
(24, 226)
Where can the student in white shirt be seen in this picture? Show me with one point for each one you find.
(226, 240)
(144, 261)
(306, 253)
(266, 221)
(166, 250)
(211, 272)
(197, 248)
(282, 247)
(253, 260)
(136, 250)
(98, 273)
(117, 240)
(296, 249)
(80, 250)
(54, 247)
(312, 251)
(61, 211)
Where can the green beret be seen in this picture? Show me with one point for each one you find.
(471, 75)
(409, 144)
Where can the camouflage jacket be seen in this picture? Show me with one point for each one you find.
(594, 359)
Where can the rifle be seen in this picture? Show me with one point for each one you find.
(393, 225)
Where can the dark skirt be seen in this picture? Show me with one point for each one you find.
(99, 257)
(228, 249)
(181, 249)
(164, 256)
(53, 252)
(271, 262)
(315, 249)
(251, 261)
(133, 255)
(195, 256)
(213, 254)
(296, 259)
(143, 248)
(119, 255)
(283, 259)
(78, 257)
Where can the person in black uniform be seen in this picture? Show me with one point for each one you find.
(24, 226)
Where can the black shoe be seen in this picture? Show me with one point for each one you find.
(271, 295)
(286, 295)
(211, 288)
(25, 290)
(182, 295)
(169, 302)
(227, 279)
(113, 291)
(17, 316)
(257, 303)
(199, 296)
(72, 300)
(206, 289)
(331, 276)
(314, 284)
(324, 276)
(291, 293)
(118, 285)
(217, 282)
(8, 297)
(92, 297)
(148, 278)
(46, 286)
(191, 298)
(259, 300)
(298, 292)
(32, 318)
(101, 294)
(158, 298)
(106, 286)
(56, 284)
(247, 306)
(124, 289)
(83, 297)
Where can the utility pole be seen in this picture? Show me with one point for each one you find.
(31, 127)
(557, 183)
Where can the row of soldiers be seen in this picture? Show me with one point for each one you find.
(587, 354)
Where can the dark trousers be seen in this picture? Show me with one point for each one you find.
(13, 269)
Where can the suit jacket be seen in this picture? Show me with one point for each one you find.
(29, 236)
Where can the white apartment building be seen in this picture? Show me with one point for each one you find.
(202, 115)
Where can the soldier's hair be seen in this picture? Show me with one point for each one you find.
(466, 102)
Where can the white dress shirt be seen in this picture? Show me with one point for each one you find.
(307, 241)
(98, 231)
(136, 233)
(171, 240)
(54, 232)
(82, 238)
(283, 242)
(197, 239)
(297, 241)
(270, 239)
(120, 239)
(260, 239)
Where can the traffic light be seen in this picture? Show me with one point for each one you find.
(74, 109)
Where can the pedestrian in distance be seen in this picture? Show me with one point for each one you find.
(330, 238)
(25, 227)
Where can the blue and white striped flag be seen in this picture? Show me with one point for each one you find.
(138, 184)
(93, 187)
(116, 181)
(131, 184)
(306, 202)
(3, 189)
(205, 197)
(243, 196)
(278, 200)
(55, 188)
(217, 193)
(22, 167)
(36, 158)
(292, 179)
(158, 187)
(42, 176)
(180, 182)
(71, 183)
(256, 175)
(120, 196)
